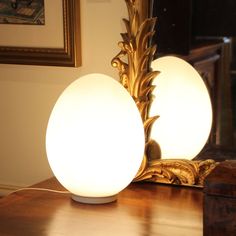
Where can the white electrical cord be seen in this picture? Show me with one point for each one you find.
(39, 189)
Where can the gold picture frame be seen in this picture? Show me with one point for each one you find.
(68, 55)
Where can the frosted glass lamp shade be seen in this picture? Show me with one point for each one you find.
(183, 104)
(95, 138)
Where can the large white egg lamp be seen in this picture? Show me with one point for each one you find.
(95, 139)
(183, 103)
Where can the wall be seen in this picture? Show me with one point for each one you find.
(28, 93)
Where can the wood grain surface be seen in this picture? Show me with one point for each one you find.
(142, 209)
(220, 200)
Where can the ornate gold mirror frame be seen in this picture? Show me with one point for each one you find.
(133, 63)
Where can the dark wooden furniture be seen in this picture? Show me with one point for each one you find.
(212, 58)
(142, 209)
(220, 200)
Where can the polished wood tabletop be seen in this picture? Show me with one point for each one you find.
(142, 209)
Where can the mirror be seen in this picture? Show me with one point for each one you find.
(202, 33)
(136, 75)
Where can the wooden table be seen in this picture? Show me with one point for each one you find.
(142, 209)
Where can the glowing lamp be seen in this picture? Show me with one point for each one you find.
(95, 139)
(183, 104)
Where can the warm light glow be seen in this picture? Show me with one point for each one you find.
(183, 103)
(95, 137)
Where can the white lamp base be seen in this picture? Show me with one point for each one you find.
(94, 200)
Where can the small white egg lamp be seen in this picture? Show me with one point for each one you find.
(182, 101)
(95, 139)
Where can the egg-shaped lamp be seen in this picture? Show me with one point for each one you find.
(183, 103)
(95, 139)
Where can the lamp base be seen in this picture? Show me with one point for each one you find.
(94, 200)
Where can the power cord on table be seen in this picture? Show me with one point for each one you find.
(39, 189)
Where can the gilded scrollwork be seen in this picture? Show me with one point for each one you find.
(133, 63)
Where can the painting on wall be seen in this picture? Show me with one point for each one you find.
(29, 12)
(40, 32)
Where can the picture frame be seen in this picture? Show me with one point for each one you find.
(68, 54)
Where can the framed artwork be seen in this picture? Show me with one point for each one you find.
(40, 32)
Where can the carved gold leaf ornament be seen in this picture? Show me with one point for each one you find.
(133, 63)
(134, 74)
(183, 172)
